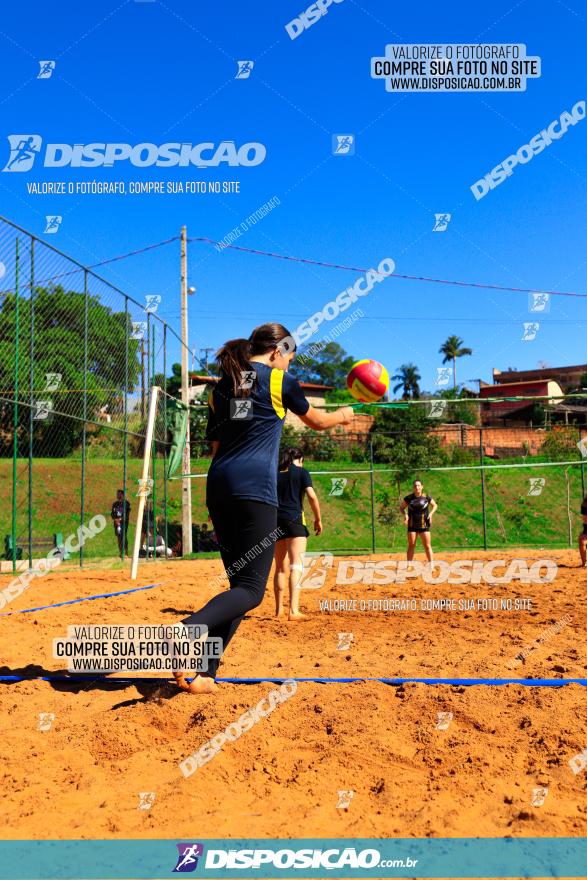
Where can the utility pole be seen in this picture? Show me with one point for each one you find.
(186, 485)
(143, 399)
(206, 350)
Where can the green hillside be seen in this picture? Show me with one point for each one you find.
(514, 518)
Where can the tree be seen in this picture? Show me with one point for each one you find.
(452, 349)
(59, 322)
(407, 377)
(330, 365)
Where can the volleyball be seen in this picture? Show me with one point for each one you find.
(368, 381)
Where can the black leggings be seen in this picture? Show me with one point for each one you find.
(240, 528)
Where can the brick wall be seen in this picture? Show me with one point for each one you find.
(494, 439)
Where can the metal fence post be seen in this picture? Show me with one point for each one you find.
(151, 374)
(125, 440)
(372, 495)
(85, 416)
(15, 405)
(582, 465)
(166, 520)
(482, 466)
(31, 402)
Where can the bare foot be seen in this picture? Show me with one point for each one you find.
(297, 615)
(279, 612)
(201, 684)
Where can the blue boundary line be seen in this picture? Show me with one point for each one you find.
(83, 599)
(465, 682)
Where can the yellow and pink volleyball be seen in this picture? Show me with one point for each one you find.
(368, 381)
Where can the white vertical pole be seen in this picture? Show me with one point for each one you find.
(145, 475)
(186, 484)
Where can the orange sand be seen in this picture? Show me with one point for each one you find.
(109, 742)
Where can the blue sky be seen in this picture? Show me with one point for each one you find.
(155, 72)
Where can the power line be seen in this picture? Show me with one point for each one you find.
(362, 270)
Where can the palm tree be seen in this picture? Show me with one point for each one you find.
(407, 377)
(452, 349)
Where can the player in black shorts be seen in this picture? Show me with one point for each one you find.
(293, 483)
(583, 535)
(418, 510)
(246, 413)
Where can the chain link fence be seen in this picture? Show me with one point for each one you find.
(78, 357)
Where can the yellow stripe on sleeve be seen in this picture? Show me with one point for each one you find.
(275, 387)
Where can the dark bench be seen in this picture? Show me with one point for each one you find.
(45, 544)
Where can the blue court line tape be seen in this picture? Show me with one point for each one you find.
(84, 599)
(465, 682)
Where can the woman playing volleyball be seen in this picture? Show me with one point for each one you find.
(418, 510)
(583, 535)
(246, 413)
(293, 482)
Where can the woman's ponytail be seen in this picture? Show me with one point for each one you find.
(288, 456)
(234, 356)
(233, 360)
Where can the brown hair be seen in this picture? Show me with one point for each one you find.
(234, 356)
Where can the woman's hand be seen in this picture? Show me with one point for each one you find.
(318, 526)
(347, 414)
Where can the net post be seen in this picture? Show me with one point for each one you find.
(145, 474)
(372, 483)
(582, 465)
(85, 412)
(482, 471)
(15, 404)
(125, 439)
(32, 402)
